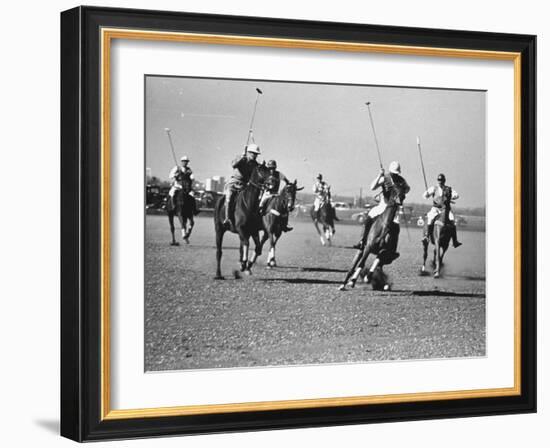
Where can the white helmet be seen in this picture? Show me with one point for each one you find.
(253, 147)
(395, 168)
(185, 159)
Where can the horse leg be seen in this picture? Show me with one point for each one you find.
(437, 259)
(172, 229)
(271, 255)
(275, 239)
(425, 244)
(328, 234)
(182, 224)
(354, 263)
(245, 243)
(189, 228)
(316, 224)
(257, 249)
(219, 240)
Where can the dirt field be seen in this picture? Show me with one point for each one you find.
(294, 314)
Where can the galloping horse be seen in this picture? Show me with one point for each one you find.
(247, 221)
(276, 215)
(183, 206)
(326, 217)
(381, 241)
(441, 235)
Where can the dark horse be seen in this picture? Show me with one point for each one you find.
(276, 216)
(183, 206)
(326, 217)
(247, 220)
(442, 234)
(381, 241)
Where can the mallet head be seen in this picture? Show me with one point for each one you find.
(259, 91)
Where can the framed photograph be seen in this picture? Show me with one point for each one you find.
(276, 224)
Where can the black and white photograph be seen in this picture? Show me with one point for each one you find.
(295, 223)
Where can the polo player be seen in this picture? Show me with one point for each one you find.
(385, 182)
(322, 192)
(178, 175)
(243, 166)
(271, 188)
(436, 193)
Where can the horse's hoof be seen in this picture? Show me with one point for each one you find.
(236, 274)
(174, 243)
(436, 275)
(268, 266)
(342, 288)
(247, 272)
(219, 277)
(387, 287)
(186, 239)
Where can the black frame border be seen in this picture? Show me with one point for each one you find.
(81, 223)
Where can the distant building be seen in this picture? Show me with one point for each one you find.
(214, 183)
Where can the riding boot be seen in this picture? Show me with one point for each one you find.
(430, 232)
(366, 228)
(456, 243)
(229, 210)
(284, 226)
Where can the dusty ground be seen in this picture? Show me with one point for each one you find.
(294, 314)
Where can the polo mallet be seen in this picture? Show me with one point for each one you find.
(421, 161)
(167, 130)
(258, 93)
(375, 138)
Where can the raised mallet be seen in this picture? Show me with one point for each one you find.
(374, 133)
(258, 93)
(167, 130)
(421, 161)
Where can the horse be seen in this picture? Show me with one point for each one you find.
(183, 206)
(442, 234)
(381, 241)
(247, 221)
(276, 215)
(326, 217)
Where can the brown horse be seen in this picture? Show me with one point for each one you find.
(247, 221)
(276, 216)
(381, 241)
(442, 234)
(184, 207)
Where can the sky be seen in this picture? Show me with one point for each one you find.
(320, 128)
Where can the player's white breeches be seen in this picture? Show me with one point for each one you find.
(434, 211)
(379, 209)
(173, 189)
(265, 196)
(317, 203)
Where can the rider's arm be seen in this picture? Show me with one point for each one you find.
(173, 173)
(284, 178)
(237, 161)
(429, 192)
(378, 182)
(454, 195)
(406, 187)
